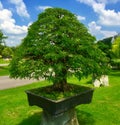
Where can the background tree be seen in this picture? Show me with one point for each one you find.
(13, 48)
(116, 47)
(2, 42)
(1, 49)
(58, 45)
(116, 52)
(7, 52)
(2, 37)
(106, 46)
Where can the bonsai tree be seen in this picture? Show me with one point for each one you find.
(57, 46)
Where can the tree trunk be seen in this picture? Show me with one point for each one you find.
(60, 80)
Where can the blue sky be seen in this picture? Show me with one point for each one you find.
(101, 17)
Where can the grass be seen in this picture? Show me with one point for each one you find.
(3, 61)
(14, 109)
(104, 109)
(4, 70)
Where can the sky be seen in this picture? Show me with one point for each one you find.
(101, 17)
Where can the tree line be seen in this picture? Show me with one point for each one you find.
(5, 51)
(111, 46)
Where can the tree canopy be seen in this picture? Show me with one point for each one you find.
(58, 45)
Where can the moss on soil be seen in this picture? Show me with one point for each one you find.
(49, 92)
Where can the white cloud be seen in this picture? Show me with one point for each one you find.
(97, 30)
(91, 2)
(88, 2)
(9, 27)
(7, 23)
(107, 1)
(80, 17)
(42, 8)
(109, 18)
(20, 8)
(106, 17)
(14, 40)
(94, 29)
(98, 7)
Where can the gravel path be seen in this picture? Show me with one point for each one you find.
(6, 82)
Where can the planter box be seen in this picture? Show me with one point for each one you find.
(56, 107)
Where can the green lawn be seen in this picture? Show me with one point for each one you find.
(3, 61)
(4, 70)
(104, 109)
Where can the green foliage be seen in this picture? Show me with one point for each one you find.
(1, 49)
(4, 70)
(2, 43)
(116, 47)
(107, 41)
(106, 48)
(115, 63)
(116, 53)
(2, 37)
(58, 45)
(7, 52)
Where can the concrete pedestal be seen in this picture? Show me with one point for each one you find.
(67, 118)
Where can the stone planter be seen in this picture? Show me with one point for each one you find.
(57, 107)
(54, 108)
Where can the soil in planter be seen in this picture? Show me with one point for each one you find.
(51, 93)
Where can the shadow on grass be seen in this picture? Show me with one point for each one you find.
(89, 82)
(85, 118)
(32, 120)
(3, 67)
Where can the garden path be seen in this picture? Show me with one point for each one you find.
(6, 82)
